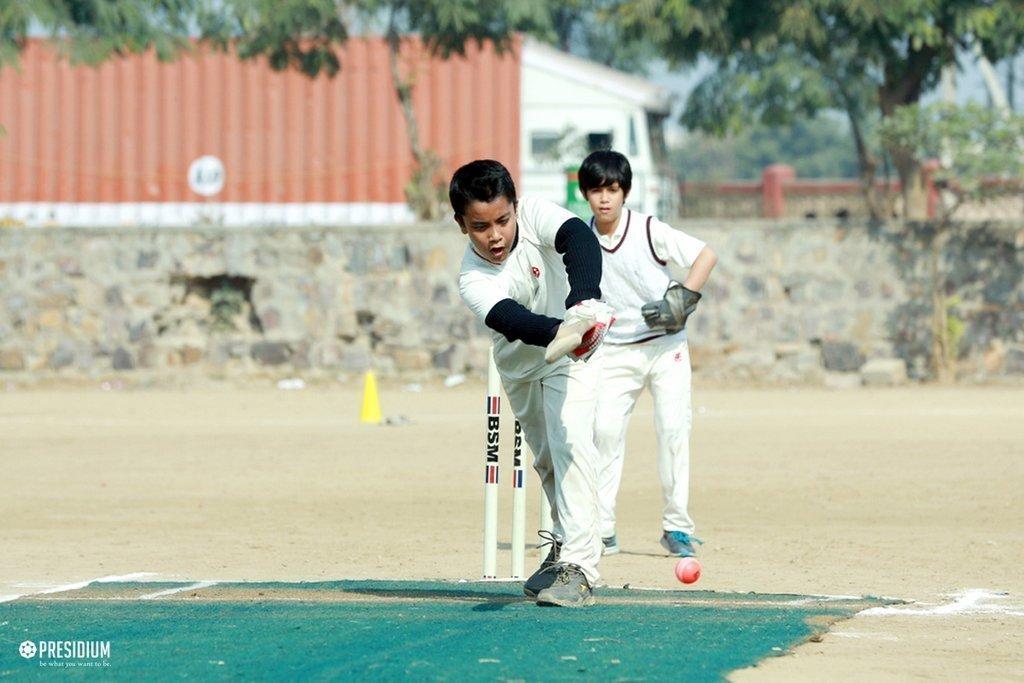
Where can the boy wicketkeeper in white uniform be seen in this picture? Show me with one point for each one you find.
(647, 345)
(527, 262)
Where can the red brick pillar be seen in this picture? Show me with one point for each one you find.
(773, 196)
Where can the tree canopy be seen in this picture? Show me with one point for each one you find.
(779, 59)
(818, 147)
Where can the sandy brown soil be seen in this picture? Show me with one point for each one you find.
(916, 493)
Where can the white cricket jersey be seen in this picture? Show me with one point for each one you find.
(532, 275)
(638, 257)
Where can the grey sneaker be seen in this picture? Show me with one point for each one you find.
(679, 543)
(542, 578)
(611, 545)
(569, 589)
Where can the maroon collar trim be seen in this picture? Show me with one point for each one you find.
(629, 215)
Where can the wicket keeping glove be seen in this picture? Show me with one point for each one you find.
(673, 309)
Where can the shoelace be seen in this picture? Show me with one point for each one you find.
(684, 537)
(565, 572)
(550, 540)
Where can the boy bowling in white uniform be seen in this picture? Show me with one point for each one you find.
(647, 345)
(531, 273)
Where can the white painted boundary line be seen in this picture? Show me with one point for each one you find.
(180, 589)
(973, 601)
(78, 585)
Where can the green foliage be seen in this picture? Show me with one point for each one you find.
(587, 28)
(816, 148)
(782, 59)
(955, 328)
(894, 34)
(977, 147)
(226, 304)
(91, 31)
(446, 27)
(768, 89)
(291, 34)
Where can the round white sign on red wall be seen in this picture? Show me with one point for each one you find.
(206, 176)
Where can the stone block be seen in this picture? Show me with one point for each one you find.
(51, 318)
(190, 355)
(994, 357)
(300, 357)
(114, 296)
(842, 380)
(70, 266)
(271, 353)
(411, 359)
(841, 356)
(122, 359)
(147, 259)
(754, 287)
(1014, 363)
(884, 372)
(754, 363)
(59, 299)
(327, 355)
(149, 356)
(355, 359)
(477, 353)
(62, 356)
(346, 327)
(11, 359)
(451, 359)
(139, 331)
(789, 349)
(804, 367)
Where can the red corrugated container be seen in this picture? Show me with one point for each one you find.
(128, 130)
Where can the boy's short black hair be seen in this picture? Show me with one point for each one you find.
(603, 168)
(483, 180)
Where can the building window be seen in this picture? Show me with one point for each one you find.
(599, 141)
(633, 150)
(544, 144)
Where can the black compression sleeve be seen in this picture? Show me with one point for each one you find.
(517, 323)
(581, 255)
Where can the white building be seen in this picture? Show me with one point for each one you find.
(571, 107)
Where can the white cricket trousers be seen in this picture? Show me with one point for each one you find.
(664, 365)
(557, 416)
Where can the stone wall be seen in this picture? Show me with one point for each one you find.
(807, 301)
(789, 302)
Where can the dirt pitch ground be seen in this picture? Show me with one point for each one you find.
(916, 493)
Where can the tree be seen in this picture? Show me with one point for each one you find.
(91, 31)
(896, 49)
(781, 87)
(445, 28)
(816, 148)
(587, 28)
(982, 158)
(292, 34)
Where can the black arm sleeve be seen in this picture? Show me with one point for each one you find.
(517, 323)
(581, 255)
